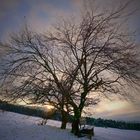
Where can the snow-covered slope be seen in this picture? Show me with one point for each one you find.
(21, 127)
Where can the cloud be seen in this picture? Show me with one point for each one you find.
(118, 110)
(7, 6)
(43, 14)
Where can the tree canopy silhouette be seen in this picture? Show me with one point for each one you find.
(75, 64)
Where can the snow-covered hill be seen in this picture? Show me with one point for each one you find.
(21, 127)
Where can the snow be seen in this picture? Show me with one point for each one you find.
(21, 127)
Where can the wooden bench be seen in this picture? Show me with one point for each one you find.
(89, 132)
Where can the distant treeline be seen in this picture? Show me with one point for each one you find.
(112, 123)
(104, 123)
(40, 112)
(26, 110)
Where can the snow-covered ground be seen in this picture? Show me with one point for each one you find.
(21, 127)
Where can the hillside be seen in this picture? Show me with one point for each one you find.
(21, 127)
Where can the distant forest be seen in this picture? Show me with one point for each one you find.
(39, 111)
(112, 123)
(99, 122)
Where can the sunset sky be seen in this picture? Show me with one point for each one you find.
(39, 14)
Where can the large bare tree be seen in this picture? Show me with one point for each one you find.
(103, 48)
(35, 70)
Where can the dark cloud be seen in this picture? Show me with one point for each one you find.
(7, 6)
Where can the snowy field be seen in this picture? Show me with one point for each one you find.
(21, 127)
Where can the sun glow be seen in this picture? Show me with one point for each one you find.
(49, 107)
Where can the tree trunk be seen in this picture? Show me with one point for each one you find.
(75, 127)
(64, 119)
(75, 123)
(63, 125)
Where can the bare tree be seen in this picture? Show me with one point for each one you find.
(35, 70)
(105, 53)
